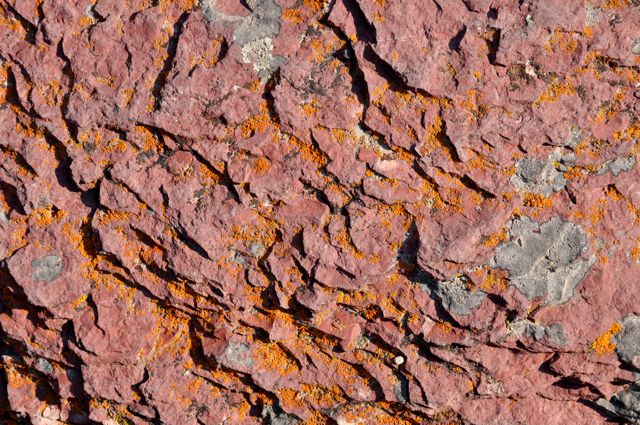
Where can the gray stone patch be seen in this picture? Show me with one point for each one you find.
(3, 218)
(263, 23)
(544, 260)
(259, 53)
(617, 165)
(238, 354)
(628, 339)
(455, 297)
(635, 49)
(253, 33)
(537, 176)
(43, 366)
(275, 416)
(624, 404)
(46, 268)
(554, 333)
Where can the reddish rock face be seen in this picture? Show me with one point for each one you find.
(319, 212)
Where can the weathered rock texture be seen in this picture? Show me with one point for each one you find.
(319, 211)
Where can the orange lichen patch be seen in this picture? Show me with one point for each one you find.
(127, 96)
(588, 31)
(560, 40)
(494, 280)
(378, 17)
(310, 152)
(537, 200)
(272, 356)
(4, 78)
(292, 15)
(573, 173)
(149, 140)
(322, 396)
(261, 165)
(478, 161)
(106, 217)
(258, 123)
(210, 178)
(343, 239)
(315, 5)
(495, 239)
(320, 50)
(18, 238)
(603, 344)
(635, 253)
(472, 104)
(445, 327)
(86, 21)
(615, 4)
(432, 197)
(263, 233)
(77, 232)
(555, 91)
(613, 193)
(610, 108)
(596, 212)
(630, 133)
(44, 216)
(52, 93)
(114, 145)
(169, 336)
(310, 109)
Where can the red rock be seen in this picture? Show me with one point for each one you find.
(279, 211)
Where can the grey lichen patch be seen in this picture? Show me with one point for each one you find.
(455, 296)
(635, 49)
(624, 404)
(263, 23)
(553, 334)
(275, 416)
(46, 268)
(534, 175)
(617, 165)
(544, 260)
(628, 339)
(238, 354)
(253, 33)
(259, 53)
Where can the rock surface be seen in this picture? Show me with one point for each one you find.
(319, 212)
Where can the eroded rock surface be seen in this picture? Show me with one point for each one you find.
(319, 212)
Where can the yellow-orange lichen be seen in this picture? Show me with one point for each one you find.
(604, 345)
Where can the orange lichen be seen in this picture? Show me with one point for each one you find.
(603, 345)
(561, 40)
(315, 5)
(272, 356)
(261, 165)
(495, 239)
(537, 200)
(44, 216)
(555, 91)
(310, 152)
(292, 15)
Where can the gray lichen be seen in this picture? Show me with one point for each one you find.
(544, 260)
(624, 404)
(553, 334)
(537, 176)
(617, 165)
(628, 339)
(455, 296)
(254, 33)
(46, 268)
(238, 354)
